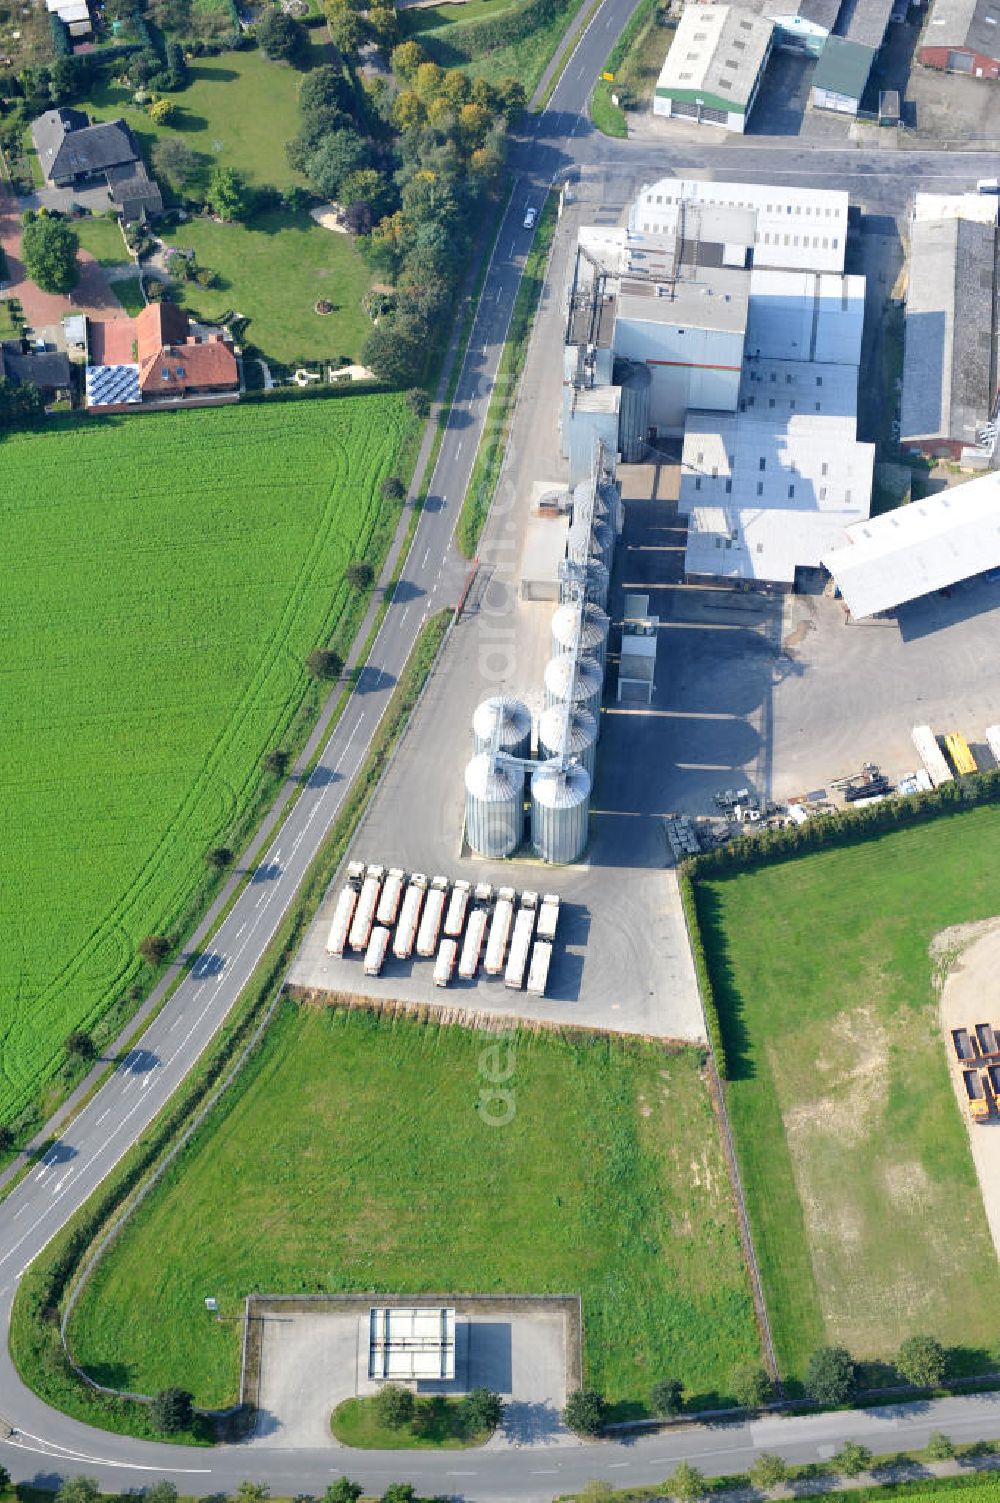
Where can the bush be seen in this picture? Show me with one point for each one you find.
(703, 974)
(323, 662)
(940, 1447)
(394, 1406)
(831, 1377)
(686, 1484)
(360, 574)
(922, 1361)
(154, 949)
(172, 1410)
(392, 488)
(418, 401)
(482, 1410)
(80, 1045)
(219, 857)
(666, 1397)
(852, 1459)
(768, 1471)
(752, 1387)
(276, 762)
(585, 1412)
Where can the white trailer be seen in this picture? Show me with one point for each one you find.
(430, 923)
(392, 893)
(472, 947)
(406, 929)
(538, 971)
(931, 755)
(517, 963)
(364, 913)
(444, 966)
(455, 917)
(496, 945)
(993, 741)
(342, 916)
(375, 953)
(548, 916)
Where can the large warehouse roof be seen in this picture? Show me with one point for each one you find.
(867, 22)
(796, 227)
(925, 546)
(772, 390)
(948, 350)
(768, 545)
(717, 50)
(974, 24)
(979, 206)
(801, 463)
(804, 316)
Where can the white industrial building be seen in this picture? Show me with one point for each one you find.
(714, 67)
(927, 545)
(406, 1345)
(798, 315)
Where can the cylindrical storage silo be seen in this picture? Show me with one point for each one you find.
(603, 539)
(633, 414)
(560, 810)
(514, 720)
(590, 622)
(598, 582)
(494, 806)
(581, 742)
(582, 690)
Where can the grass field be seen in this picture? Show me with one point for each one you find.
(866, 1210)
(440, 30)
(438, 1425)
(156, 616)
(351, 1155)
(273, 272)
(635, 61)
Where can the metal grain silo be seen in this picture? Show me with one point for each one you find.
(633, 415)
(560, 811)
(582, 690)
(494, 806)
(581, 741)
(590, 622)
(603, 539)
(511, 717)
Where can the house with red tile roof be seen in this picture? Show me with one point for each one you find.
(157, 358)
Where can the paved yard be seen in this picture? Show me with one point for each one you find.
(92, 295)
(311, 1362)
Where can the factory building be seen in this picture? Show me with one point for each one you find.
(799, 25)
(950, 339)
(841, 76)
(963, 36)
(713, 70)
(928, 545)
(800, 316)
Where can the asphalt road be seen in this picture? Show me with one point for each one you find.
(46, 1445)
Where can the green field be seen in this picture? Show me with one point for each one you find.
(273, 272)
(866, 1210)
(165, 577)
(440, 29)
(351, 1156)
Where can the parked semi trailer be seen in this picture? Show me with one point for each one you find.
(364, 913)
(496, 945)
(375, 953)
(538, 971)
(409, 917)
(976, 1097)
(342, 917)
(965, 1046)
(931, 755)
(392, 895)
(994, 1077)
(548, 916)
(472, 946)
(430, 924)
(958, 750)
(444, 966)
(520, 945)
(454, 919)
(989, 1044)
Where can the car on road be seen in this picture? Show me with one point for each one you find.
(530, 215)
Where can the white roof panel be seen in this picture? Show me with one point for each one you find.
(798, 315)
(918, 548)
(764, 545)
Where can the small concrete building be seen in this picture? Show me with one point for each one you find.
(950, 353)
(407, 1345)
(713, 70)
(841, 76)
(963, 36)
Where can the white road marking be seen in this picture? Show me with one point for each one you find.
(423, 563)
(458, 451)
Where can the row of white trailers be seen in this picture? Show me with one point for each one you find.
(934, 760)
(450, 922)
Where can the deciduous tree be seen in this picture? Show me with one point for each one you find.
(585, 1411)
(394, 1406)
(852, 1459)
(831, 1376)
(172, 1410)
(922, 1361)
(768, 1471)
(666, 1396)
(48, 248)
(323, 662)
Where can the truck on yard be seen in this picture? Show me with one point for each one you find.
(975, 1093)
(965, 1046)
(538, 971)
(472, 947)
(375, 953)
(406, 929)
(989, 1044)
(454, 920)
(520, 945)
(548, 916)
(364, 913)
(392, 895)
(430, 924)
(496, 945)
(444, 966)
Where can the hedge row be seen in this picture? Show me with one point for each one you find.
(702, 973)
(60, 35)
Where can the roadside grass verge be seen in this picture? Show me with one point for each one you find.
(886, 1486)
(635, 60)
(489, 459)
(438, 1424)
(450, 39)
(302, 1180)
(866, 1210)
(35, 1343)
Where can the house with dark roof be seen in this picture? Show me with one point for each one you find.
(157, 358)
(46, 369)
(963, 36)
(73, 153)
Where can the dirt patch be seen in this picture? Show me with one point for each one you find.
(966, 958)
(851, 1081)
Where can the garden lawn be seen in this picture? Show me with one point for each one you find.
(351, 1155)
(103, 239)
(866, 1210)
(273, 272)
(238, 110)
(165, 576)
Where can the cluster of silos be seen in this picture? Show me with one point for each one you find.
(568, 728)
